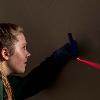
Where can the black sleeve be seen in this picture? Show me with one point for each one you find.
(43, 75)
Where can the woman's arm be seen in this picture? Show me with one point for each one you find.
(43, 75)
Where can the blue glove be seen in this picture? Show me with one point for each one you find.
(72, 46)
(69, 50)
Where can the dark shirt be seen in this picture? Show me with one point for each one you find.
(41, 77)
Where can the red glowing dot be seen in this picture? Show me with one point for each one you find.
(78, 58)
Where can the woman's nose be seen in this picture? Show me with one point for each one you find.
(28, 54)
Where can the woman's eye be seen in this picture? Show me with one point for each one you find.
(24, 47)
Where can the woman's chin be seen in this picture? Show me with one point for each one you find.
(21, 71)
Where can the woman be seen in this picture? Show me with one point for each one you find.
(13, 58)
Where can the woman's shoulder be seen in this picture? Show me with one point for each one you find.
(0, 80)
(1, 89)
(1, 85)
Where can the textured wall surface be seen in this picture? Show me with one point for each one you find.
(46, 23)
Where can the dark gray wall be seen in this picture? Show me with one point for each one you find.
(46, 23)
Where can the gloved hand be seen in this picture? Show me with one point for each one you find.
(69, 50)
(72, 46)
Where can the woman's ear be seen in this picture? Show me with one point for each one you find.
(5, 54)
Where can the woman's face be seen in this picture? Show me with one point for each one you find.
(17, 61)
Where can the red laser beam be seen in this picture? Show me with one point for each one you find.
(92, 64)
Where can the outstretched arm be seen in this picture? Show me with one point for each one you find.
(43, 75)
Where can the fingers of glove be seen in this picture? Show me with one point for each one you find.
(70, 37)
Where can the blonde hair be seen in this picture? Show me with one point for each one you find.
(8, 33)
(6, 84)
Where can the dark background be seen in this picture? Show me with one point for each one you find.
(46, 23)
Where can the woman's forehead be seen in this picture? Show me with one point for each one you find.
(21, 39)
